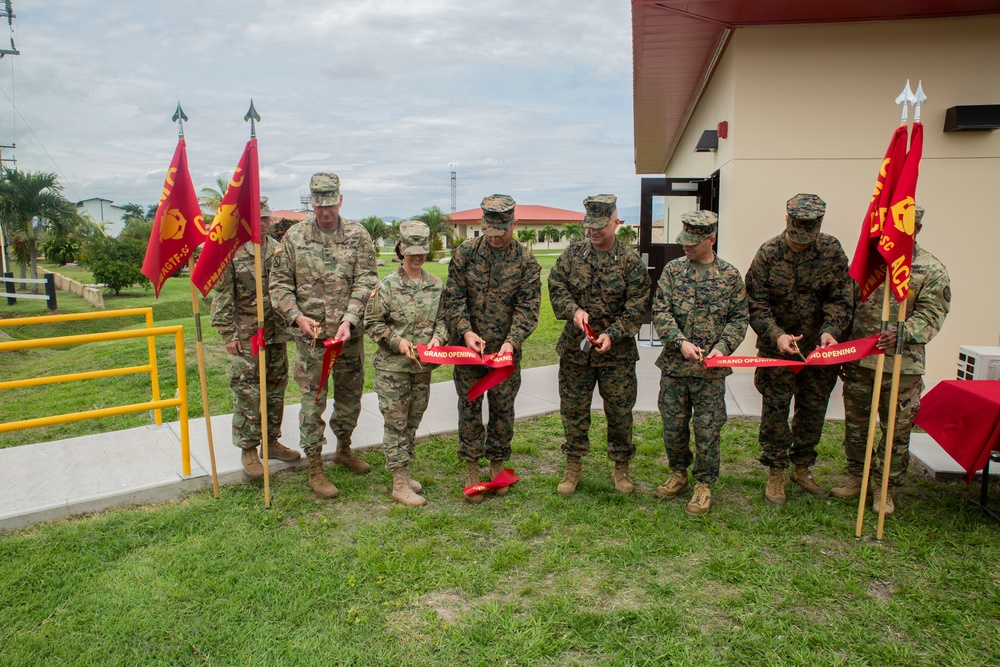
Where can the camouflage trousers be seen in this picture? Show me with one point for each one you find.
(811, 388)
(493, 441)
(402, 398)
(705, 399)
(348, 380)
(244, 378)
(858, 387)
(618, 388)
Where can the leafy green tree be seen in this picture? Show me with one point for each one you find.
(29, 203)
(437, 223)
(527, 237)
(377, 229)
(550, 233)
(138, 211)
(117, 263)
(573, 231)
(627, 234)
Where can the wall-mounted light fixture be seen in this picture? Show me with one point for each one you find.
(708, 142)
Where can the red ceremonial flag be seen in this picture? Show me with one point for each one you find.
(236, 222)
(868, 267)
(178, 227)
(896, 244)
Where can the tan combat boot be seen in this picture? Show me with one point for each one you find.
(851, 489)
(701, 501)
(621, 477)
(774, 492)
(276, 450)
(574, 471)
(496, 467)
(801, 476)
(471, 478)
(345, 457)
(252, 466)
(677, 482)
(401, 491)
(890, 506)
(318, 482)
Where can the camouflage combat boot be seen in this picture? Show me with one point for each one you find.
(621, 477)
(252, 467)
(401, 491)
(890, 506)
(496, 467)
(801, 476)
(774, 492)
(574, 471)
(851, 489)
(276, 450)
(318, 482)
(346, 457)
(701, 501)
(677, 482)
(471, 478)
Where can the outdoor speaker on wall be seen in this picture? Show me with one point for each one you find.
(972, 118)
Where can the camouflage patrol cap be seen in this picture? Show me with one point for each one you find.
(325, 189)
(918, 215)
(498, 214)
(600, 208)
(698, 226)
(413, 238)
(265, 210)
(805, 216)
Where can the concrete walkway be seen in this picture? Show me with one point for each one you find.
(52, 480)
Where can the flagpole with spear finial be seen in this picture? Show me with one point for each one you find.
(180, 117)
(254, 117)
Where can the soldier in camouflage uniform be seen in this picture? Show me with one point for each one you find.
(927, 306)
(800, 299)
(405, 310)
(491, 301)
(700, 311)
(322, 278)
(604, 283)
(234, 316)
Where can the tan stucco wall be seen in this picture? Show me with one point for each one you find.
(810, 109)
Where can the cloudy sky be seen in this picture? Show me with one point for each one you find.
(531, 98)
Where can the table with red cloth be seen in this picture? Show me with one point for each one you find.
(963, 416)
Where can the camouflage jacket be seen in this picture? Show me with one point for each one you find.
(234, 306)
(710, 312)
(495, 294)
(926, 307)
(327, 277)
(804, 293)
(612, 289)
(402, 308)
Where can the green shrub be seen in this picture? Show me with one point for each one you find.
(117, 263)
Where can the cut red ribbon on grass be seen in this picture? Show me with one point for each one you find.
(504, 478)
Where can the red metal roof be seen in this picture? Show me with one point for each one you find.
(676, 44)
(526, 213)
(298, 216)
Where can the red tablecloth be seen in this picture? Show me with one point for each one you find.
(963, 416)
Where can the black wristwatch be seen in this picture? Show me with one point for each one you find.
(679, 342)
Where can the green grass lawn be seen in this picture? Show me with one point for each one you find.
(173, 307)
(529, 579)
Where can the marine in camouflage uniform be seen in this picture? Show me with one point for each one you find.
(800, 293)
(927, 306)
(323, 275)
(234, 316)
(405, 310)
(603, 282)
(700, 310)
(491, 301)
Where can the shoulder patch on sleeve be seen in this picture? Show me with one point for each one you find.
(947, 294)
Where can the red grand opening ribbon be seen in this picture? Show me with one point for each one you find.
(455, 355)
(504, 478)
(330, 355)
(852, 350)
(589, 333)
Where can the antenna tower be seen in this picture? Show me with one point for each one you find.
(454, 191)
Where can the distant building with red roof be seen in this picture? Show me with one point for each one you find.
(468, 223)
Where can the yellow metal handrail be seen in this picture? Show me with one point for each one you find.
(151, 368)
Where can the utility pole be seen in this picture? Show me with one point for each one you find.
(454, 189)
(6, 11)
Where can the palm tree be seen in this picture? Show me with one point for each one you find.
(573, 231)
(627, 234)
(29, 203)
(437, 223)
(550, 233)
(527, 237)
(211, 197)
(377, 229)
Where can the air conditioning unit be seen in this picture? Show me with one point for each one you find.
(978, 362)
